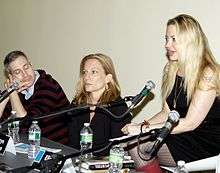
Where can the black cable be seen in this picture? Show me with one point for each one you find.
(62, 159)
(113, 115)
(83, 108)
(78, 108)
(100, 106)
(140, 153)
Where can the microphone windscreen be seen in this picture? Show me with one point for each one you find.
(150, 85)
(174, 116)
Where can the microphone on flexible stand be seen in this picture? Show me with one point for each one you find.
(4, 94)
(144, 92)
(173, 118)
(133, 99)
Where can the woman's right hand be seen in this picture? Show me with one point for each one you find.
(131, 129)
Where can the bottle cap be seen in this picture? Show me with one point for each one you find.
(13, 113)
(181, 163)
(86, 124)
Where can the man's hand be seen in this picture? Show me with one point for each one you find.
(22, 85)
(9, 81)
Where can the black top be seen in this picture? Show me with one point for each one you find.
(200, 143)
(103, 125)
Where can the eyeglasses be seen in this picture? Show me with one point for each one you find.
(25, 67)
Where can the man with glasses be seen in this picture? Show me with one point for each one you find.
(37, 93)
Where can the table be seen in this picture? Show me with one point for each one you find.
(21, 160)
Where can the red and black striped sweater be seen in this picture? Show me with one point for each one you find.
(48, 97)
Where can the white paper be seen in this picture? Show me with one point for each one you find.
(168, 168)
(68, 167)
(211, 163)
(23, 148)
(218, 164)
(52, 150)
(10, 147)
(122, 137)
(203, 164)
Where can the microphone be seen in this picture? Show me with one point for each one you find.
(173, 118)
(133, 99)
(4, 94)
(144, 92)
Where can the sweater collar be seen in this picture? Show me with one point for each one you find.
(30, 91)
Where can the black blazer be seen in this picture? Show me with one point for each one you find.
(103, 125)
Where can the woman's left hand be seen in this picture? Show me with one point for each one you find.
(132, 129)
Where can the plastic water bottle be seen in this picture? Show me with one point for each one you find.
(86, 138)
(181, 167)
(34, 139)
(10, 125)
(13, 128)
(116, 159)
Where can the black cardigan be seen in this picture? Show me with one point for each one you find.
(103, 125)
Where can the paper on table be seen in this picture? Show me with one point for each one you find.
(23, 148)
(52, 150)
(203, 164)
(10, 147)
(211, 163)
(68, 167)
(168, 168)
(218, 164)
(122, 137)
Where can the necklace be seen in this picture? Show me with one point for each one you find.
(176, 95)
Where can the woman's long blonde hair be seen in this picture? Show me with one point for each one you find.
(194, 55)
(112, 91)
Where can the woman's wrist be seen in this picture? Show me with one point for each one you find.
(144, 125)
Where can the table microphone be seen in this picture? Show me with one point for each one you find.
(173, 118)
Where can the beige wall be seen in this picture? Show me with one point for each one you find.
(56, 34)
